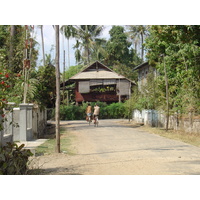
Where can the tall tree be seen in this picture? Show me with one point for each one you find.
(12, 37)
(69, 31)
(12, 44)
(181, 47)
(85, 36)
(138, 33)
(42, 37)
(57, 113)
(118, 47)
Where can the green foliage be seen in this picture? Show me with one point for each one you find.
(180, 47)
(5, 89)
(13, 48)
(11, 63)
(112, 111)
(72, 71)
(118, 47)
(86, 35)
(138, 33)
(71, 112)
(46, 89)
(14, 159)
(4, 33)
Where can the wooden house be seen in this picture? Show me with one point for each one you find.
(99, 83)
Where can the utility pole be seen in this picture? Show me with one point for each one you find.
(63, 76)
(26, 65)
(119, 93)
(129, 115)
(167, 95)
(57, 113)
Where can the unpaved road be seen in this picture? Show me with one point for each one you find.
(116, 149)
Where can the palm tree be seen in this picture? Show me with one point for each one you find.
(42, 37)
(12, 36)
(99, 50)
(138, 32)
(86, 35)
(69, 31)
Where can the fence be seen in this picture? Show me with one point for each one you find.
(25, 123)
(156, 118)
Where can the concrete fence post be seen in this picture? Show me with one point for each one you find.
(26, 121)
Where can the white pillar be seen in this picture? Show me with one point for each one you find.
(25, 121)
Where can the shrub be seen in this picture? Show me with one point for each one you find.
(112, 111)
(14, 159)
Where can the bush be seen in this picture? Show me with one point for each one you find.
(112, 111)
(14, 159)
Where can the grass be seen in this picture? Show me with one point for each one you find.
(49, 146)
(190, 138)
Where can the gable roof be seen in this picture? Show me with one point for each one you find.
(141, 65)
(97, 70)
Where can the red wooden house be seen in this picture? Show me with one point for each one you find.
(99, 83)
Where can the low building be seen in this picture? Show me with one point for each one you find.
(143, 70)
(99, 83)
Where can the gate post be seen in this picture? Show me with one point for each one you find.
(25, 121)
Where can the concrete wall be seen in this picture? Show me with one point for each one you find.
(157, 119)
(39, 122)
(6, 135)
(32, 120)
(16, 136)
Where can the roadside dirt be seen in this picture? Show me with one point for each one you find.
(115, 148)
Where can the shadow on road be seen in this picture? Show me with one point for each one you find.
(102, 124)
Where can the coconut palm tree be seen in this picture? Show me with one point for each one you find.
(99, 50)
(86, 35)
(138, 33)
(12, 35)
(42, 37)
(68, 31)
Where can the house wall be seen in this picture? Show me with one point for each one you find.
(142, 75)
(124, 87)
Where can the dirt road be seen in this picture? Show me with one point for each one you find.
(116, 149)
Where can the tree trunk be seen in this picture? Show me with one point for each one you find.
(42, 36)
(12, 35)
(167, 96)
(63, 76)
(68, 53)
(142, 40)
(88, 55)
(57, 113)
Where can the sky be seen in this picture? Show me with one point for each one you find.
(49, 41)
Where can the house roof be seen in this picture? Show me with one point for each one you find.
(141, 65)
(97, 71)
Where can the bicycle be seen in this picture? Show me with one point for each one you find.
(96, 121)
(89, 120)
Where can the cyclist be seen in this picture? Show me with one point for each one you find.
(88, 112)
(96, 112)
